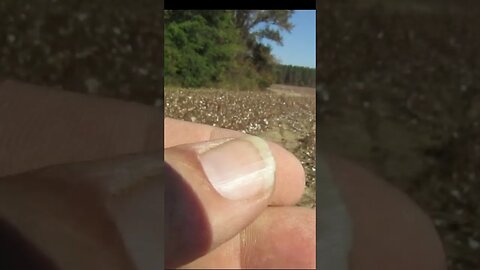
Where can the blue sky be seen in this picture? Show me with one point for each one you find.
(298, 46)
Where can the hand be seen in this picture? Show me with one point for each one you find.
(45, 134)
(282, 237)
(70, 166)
(41, 129)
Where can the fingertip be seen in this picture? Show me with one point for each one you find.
(290, 177)
(230, 180)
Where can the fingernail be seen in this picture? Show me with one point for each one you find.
(238, 168)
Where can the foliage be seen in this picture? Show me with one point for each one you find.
(294, 75)
(199, 47)
(248, 20)
(222, 48)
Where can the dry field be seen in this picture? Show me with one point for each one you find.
(404, 100)
(285, 115)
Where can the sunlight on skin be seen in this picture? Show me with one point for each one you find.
(114, 123)
(259, 245)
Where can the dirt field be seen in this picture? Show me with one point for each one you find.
(283, 114)
(290, 90)
(403, 99)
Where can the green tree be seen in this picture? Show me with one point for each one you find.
(294, 75)
(222, 48)
(272, 21)
(254, 27)
(200, 47)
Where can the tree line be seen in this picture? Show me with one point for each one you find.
(226, 48)
(294, 75)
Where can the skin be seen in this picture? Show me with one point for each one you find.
(62, 131)
(42, 127)
(277, 229)
(381, 215)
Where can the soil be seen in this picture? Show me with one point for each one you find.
(108, 48)
(399, 88)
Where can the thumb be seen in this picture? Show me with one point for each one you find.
(213, 190)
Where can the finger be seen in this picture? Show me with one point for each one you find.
(382, 215)
(193, 132)
(290, 176)
(276, 240)
(95, 215)
(190, 132)
(213, 191)
(43, 127)
(288, 233)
